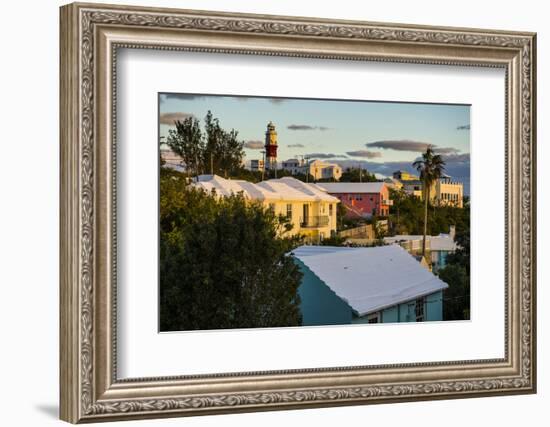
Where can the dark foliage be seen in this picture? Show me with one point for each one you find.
(212, 150)
(221, 262)
(357, 175)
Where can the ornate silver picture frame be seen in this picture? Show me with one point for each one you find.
(91, 34)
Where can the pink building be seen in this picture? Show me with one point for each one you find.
(361, 199)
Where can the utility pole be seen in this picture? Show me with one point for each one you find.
(263, 165)
(360, 173)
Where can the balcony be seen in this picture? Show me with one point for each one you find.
(314, 221)
(387, 202)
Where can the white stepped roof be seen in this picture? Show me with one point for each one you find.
(284, 189)
(351, 187)
(370, 279)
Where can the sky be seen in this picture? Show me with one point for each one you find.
(381, 136)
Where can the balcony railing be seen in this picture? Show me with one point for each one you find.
(314, 221)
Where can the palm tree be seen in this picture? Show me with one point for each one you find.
(431, 166)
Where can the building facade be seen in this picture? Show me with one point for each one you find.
(405, 176)
(361, 199)
(257, 165)
(311, 211)
(444, 191)
(438, 247)
(319, 169)
(294, 166)
(366, 285)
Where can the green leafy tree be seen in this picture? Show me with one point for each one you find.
(357, 175)
(456, 298)
(456, 301)
(187, 142)
(407, 216)
(462, 255)
(223, 263)
(431, 166)
(212, 150)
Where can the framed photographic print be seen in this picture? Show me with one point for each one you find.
(266, 212)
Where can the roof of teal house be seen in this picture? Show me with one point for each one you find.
(370, 279)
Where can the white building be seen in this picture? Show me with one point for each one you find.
(319, 169)
(310, 210)
(324, 170)
(439, 246)
(294, 166)
(257, 165)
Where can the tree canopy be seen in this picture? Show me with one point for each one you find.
(456, 299)
(212, 150)
(357, 175)
(223, 263)
(431, 167)
(407, 215)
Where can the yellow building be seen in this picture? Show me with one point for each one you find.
(323, 170)
(444, 192)
(405, 176)
(311, 211)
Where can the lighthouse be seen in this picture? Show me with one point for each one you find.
(271, 147)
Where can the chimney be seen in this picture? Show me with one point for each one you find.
(452, 231)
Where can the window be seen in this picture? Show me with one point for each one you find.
(419, 309)
(373, 318)
(289, 210)
(330, 209)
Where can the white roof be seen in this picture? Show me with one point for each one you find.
(351, 187)
(286, 188)
(370, 279)
(443, 242)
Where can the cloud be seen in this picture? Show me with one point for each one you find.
(364, 153)
(457, 158)
(456, 165)
(446, 150)
(170, 118)
(254, 145)
(181, 96)
(400, 145)
(296, 146)
(307, 127)
(325, 156)
(410, 145)
(463, 127)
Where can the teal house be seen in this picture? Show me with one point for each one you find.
(383, 284)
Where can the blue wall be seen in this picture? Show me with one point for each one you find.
(434, 306)
(321, 306)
